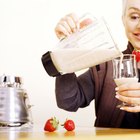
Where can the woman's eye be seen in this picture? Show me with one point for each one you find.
(135, 17)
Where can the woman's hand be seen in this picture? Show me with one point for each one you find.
(70, 24)
(66, 26)
(129, 93)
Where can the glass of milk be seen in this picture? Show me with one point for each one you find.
(125, 71)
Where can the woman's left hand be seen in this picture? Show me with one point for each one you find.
(129, 93)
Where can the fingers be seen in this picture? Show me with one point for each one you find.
(85, 22)
(128, 86)
(66, 26)
(133, 104)
(72, 21)
(61, 31)
(130, 94)
(134, 109)
(70, 24)
(129, 100)
(130, 90)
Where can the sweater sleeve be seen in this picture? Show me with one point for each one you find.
(73, 92)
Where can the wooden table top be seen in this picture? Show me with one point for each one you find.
(80, 133)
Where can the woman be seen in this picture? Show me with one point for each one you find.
(97, 83)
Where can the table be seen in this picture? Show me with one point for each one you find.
(80, 133)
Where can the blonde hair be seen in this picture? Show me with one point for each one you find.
(124, 6)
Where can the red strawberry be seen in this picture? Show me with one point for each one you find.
(137, 53)
(69, 125)
(51, 125)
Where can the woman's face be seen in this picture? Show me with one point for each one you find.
(131, 20)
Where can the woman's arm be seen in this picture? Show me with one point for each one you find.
(73, 92)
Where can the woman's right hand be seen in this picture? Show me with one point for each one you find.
(70, 24)
(66, 26)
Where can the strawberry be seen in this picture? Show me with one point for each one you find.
(51, 124)
(137, 54)
(69, 125)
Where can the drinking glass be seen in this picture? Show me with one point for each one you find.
(125, 71)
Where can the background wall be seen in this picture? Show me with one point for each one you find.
(27, 32)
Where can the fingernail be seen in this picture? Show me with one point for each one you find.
(117, 96)
(121, 108)
(116, 88)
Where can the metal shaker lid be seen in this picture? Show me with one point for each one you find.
(10, 80)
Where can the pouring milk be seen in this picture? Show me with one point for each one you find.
(85, 48)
